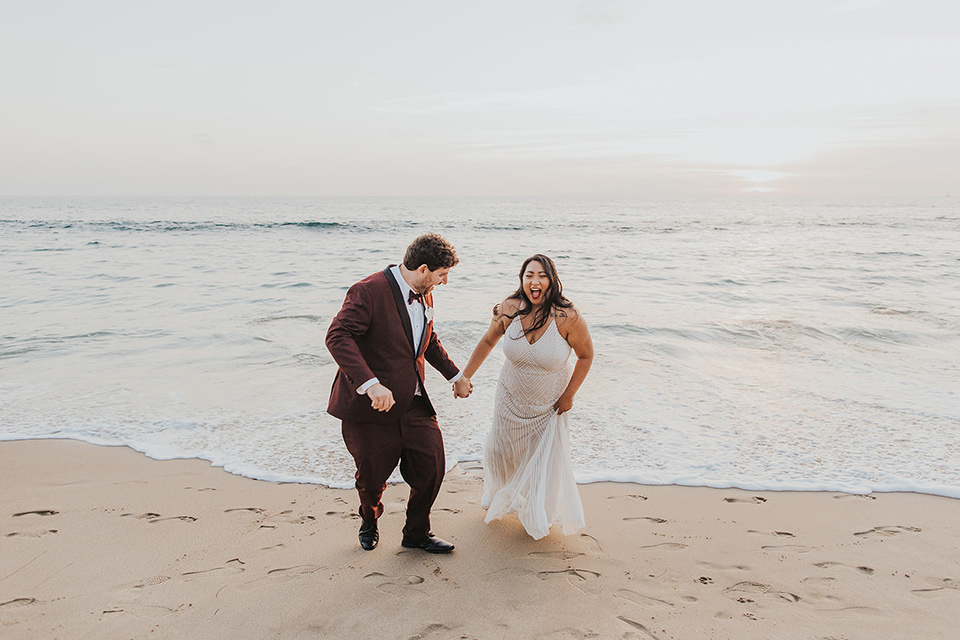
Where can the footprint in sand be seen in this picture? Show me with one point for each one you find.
(862, 496)
(946, 586)
(647, 518)
(155, 517)
(595, 541)
(282, 574)
(724, 567)
(776, 534)
(143, 611)
(151, 581)
(748, 592)
(666, 546)
(17, 603)
(562, 554)
(287, 517)
(256, 510)
(580, 578)
(507, 573)
(288, 573)
(31, 534)
(231, 567)
(132, 590)
(867, 571)
(303, 519)
(752, 500)
(40, 512)
(639, 598)
(142, 516)
(344, 515)
(850, 613)
(181, 518)
(639, 627)
(931, 592)
(441, 630)
(397, 586)
(887, 531)
(785, 548)
(629, 496)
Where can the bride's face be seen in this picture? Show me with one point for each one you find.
(536, 283)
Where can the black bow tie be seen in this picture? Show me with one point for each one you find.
(413, 295)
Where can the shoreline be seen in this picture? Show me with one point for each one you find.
(103, 541)
(624, 477)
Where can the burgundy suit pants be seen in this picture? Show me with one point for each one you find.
(415, 442)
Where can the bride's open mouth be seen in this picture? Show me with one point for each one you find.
(535, 293)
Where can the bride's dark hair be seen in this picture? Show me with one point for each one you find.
(555, 298)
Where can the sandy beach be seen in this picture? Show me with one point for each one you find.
(103, 542)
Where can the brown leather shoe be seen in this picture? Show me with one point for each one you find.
(430, 544)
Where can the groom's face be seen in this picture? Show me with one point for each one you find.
(430, 279)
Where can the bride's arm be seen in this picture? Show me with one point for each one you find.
(489, 340)
(578, 337)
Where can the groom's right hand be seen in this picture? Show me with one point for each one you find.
(381, 398)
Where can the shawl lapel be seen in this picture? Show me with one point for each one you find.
(401, 307)
(427, 304)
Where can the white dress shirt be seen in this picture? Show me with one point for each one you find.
(415, 308)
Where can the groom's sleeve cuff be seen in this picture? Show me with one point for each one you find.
(455, 378)
(362, 389)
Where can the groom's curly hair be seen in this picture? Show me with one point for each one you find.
(430, 249)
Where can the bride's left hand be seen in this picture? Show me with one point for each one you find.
(563, 404)
(462, 388)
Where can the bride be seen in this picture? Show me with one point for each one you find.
(526, 457)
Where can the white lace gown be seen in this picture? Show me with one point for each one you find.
(527, 467)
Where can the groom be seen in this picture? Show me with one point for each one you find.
(380, 339)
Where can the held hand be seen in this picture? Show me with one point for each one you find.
(563, 404)
(381, 398)
(462, 388)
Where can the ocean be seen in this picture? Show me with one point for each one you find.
(759, 344)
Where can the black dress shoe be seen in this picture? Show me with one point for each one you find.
(369, 535)
(430, 544)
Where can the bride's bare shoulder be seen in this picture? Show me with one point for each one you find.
(507, 308)
(566, 316)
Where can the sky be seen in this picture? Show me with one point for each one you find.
(618, 98)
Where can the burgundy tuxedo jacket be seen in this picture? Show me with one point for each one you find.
(371, 337)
